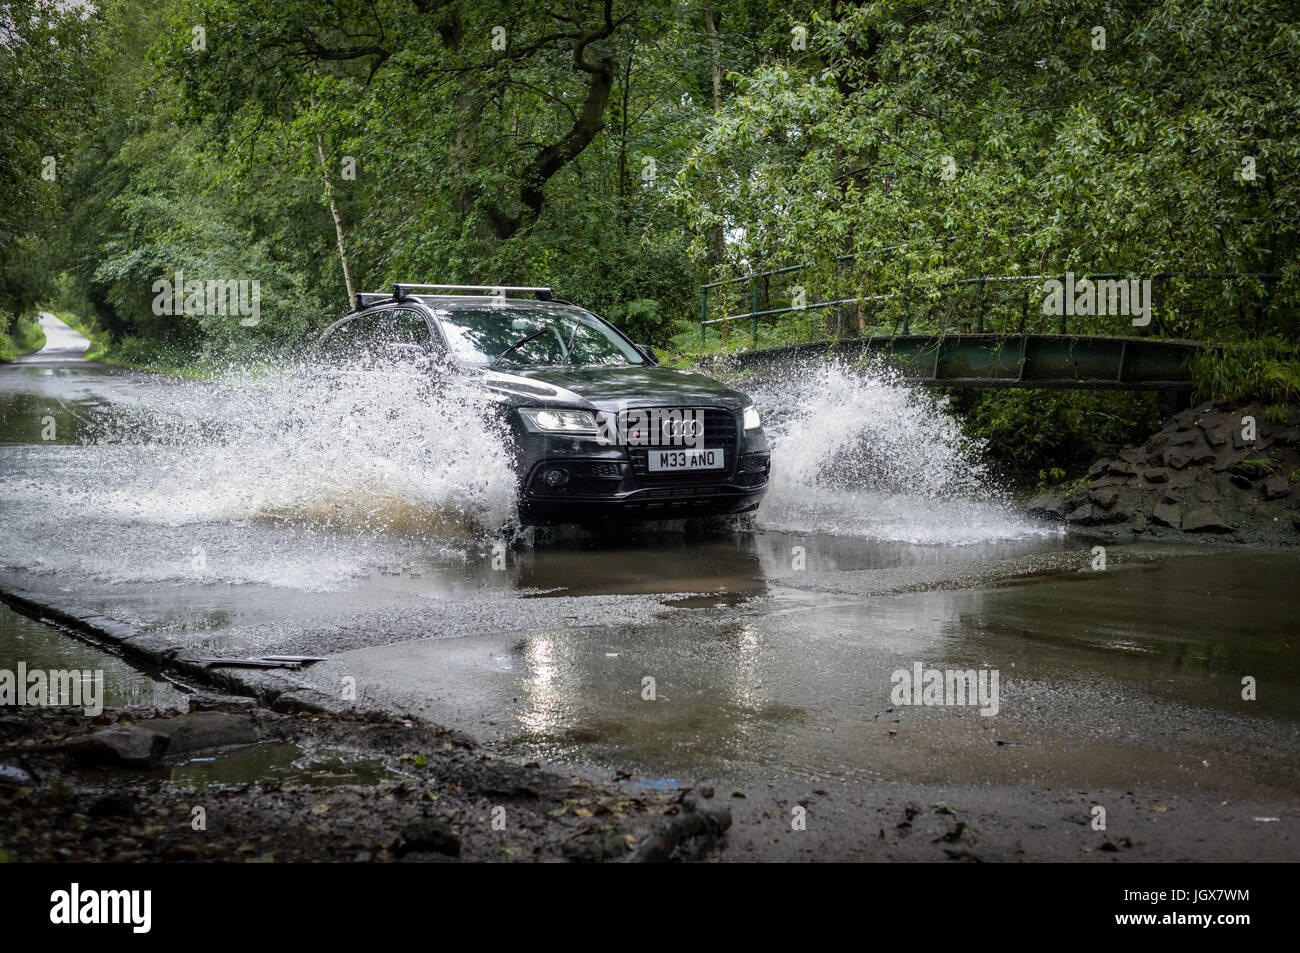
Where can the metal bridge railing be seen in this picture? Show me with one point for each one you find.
(758, 286)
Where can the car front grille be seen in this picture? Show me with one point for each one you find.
(720, 431)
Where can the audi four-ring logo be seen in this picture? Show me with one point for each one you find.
(682, 428)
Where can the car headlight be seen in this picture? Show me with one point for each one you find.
(560, 421)
(751, 418)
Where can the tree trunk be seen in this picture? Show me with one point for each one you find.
(338, 220)
(712, 29)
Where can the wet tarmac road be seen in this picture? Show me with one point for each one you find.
(772, 652)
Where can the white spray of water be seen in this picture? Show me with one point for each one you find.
(375, 447)
(857, 452)
(305, 477)
(300, 477)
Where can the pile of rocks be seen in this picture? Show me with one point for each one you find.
(1207, 471)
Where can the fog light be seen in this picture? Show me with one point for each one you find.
(556, 477)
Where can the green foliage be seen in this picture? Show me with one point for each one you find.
(1052, 476)
(1042, 432)
(44, 80)
(1257, 467)
(19, 335)
(624, 154)
(1264, 369)
(1063, 156)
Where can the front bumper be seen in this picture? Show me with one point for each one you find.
(602, 482)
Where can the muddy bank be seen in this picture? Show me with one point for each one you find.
(375, 789)
(236, 782)
(1224, 472)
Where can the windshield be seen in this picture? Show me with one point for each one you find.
(533, 333)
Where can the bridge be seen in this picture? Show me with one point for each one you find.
(997, 330)
(1017, 360)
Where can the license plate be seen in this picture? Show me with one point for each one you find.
(685, 460)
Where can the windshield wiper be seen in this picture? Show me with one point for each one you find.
(518, 344)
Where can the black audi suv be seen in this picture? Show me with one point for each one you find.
(600, 430)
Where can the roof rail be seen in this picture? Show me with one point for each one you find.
(543, 293)
(401, 289)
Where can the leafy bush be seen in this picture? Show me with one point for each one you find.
(1265, 369)
(19, 336)
(1034, 434)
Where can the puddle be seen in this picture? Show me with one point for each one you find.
(283, 764)
(40, 646)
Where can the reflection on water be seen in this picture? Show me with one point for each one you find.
(283, 764)
(39, 646)
(1115, 676)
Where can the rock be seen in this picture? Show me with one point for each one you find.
(1104, 498)
(184, 852)
(1047, 504)
(429, 835)
(1131, 454)
(1098, 468)
(425, 857)
(1276, 487)
(1131, 505)
(1166, 514)
(208, 729)
(1226, 458)
(1216, 438)
(1205, 519)
(205, 701)
(1183, 438)
(1155, 475)
(133, 746)
(1084, 515)
(1242, 482)
(1120, 468)
(1177, 458)
(117, 804)
(12, 774)
(594, 847)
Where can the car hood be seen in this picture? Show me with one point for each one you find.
(610, 388)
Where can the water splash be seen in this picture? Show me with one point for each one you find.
(300, 477)
(377, 447)
(857, 452)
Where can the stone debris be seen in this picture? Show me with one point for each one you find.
(1198, 475)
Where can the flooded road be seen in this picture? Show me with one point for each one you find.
(254, 516)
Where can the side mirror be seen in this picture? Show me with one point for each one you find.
(649, 353)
